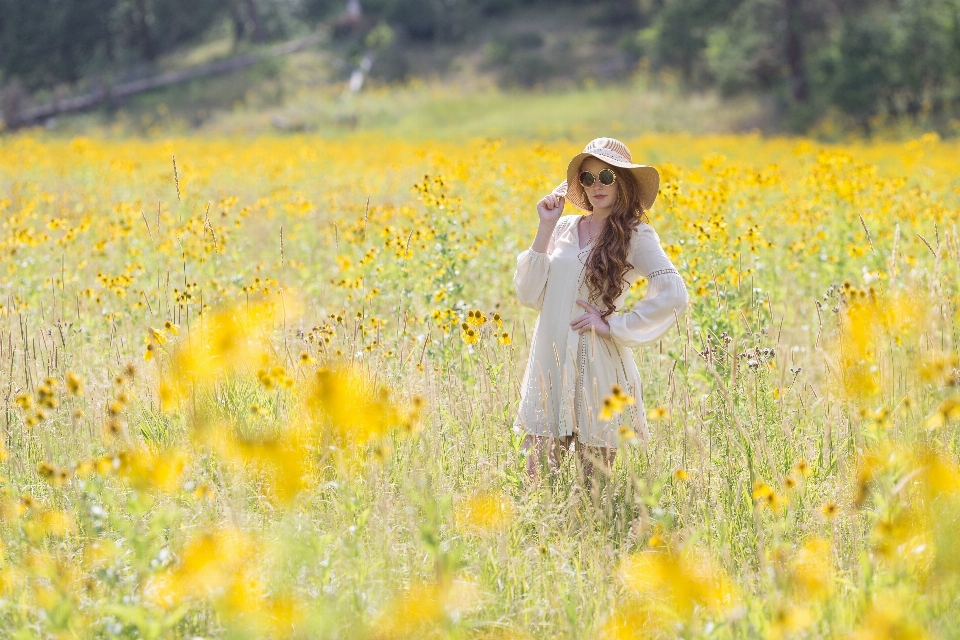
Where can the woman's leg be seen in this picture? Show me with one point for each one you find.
(543, 449)
(591, 457)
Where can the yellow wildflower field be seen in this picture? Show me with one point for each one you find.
(265, 387)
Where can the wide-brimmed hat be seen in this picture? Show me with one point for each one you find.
(615, 153)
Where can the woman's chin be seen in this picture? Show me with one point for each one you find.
(602, 206)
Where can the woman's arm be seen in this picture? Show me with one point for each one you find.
(549, 209)
(663, 303)
(543, 243)
(533, 268)
(533, 265)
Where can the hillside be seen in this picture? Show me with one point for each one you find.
(499, 67)
(535, 72)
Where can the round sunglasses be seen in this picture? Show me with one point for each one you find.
(606, 177)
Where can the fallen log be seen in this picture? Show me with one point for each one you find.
(34, 115)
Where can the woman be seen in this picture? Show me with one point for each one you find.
(577, 273)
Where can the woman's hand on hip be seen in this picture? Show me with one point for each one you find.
(550, 208)
(592, 319)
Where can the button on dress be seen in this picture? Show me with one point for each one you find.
(569, 374)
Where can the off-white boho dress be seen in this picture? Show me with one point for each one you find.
(569, 374)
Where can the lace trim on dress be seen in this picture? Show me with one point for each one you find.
(580, 383)
(660, 272)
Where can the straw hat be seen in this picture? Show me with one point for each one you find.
(615, 153)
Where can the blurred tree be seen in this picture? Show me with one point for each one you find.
(858, 66)
(764, 44)
(44, 41)
(865, 57)
(152, 27)
(317, 10)
(902, 60)
(677, 37)
(796, 27)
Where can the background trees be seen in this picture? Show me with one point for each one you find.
(865, 58)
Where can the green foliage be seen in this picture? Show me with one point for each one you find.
(44, 42)
(429, 20)
(903, 62)
(865, 59)
(744, 53)
(678, 36)
(522, 59)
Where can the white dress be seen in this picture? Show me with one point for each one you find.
(569, 374)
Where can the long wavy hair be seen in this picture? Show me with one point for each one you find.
(607, 262)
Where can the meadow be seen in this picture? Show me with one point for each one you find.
(264, 387)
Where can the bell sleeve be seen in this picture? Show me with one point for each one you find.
(533, 267)
(666, 293)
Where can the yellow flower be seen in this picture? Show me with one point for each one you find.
(352, 407)
(143, 469)
(106, 464)
(74, 384)
(829, 510)
(484, 512)
(682, 582)
(789, 620)
(46, 397)
(627, 435)
(761, 491)
(811, 570)
(617, 392)
(46, 470)
(941, 475)
(607, 410)
(202, 492)
(614, 403)
(57, 523)
(775, 501)
(157, 336)
(412, 613)
(886, 619)
(475, 318)
(84, 468)
(659, 413)
(168, 394)
(946, 412)
(209, 565)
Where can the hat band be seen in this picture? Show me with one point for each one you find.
(610, 154)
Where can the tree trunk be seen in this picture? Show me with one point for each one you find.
(147, 46)
(799, 88)
(239, 28)
(254, 16)
(17, 116)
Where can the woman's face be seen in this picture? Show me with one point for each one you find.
(601, 197)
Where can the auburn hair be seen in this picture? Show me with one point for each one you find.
(607, 262)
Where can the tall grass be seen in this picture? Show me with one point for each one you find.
(240, 403)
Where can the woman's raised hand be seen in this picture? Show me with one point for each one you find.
(550, 208)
